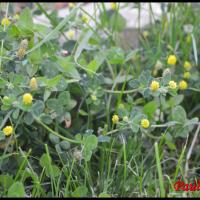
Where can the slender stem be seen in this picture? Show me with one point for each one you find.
(55, 133)
(190, 151)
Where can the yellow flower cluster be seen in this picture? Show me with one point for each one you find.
(145, 34)
(93, 97)
(8, 130)
(115, 119)
(125, 119)
(183, 85)
(70, 34)
(27, 98)
(5, 22)
(71, 5)
(33, 84)
(154, 86)
(145, 123)
(171, 60)
(186, 75)
(22, 49)
(113, 6)
(187, 65)
(172, 85)
(85, 19)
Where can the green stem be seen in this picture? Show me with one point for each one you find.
(160, 175)
(55, 133)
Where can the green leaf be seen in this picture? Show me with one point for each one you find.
(103, 138)
(176, 100)
(150, 108)
(52, 103)
(6, 181)
(134, 84)
(38, 108)
(64, 145)
(104, 195)
(2, 82)
(35, 57)
(68, 67)
(115, 55)
(47, 94)
(25, 21)
(16, 190)
(28, 118)
(54, 139)
(64, 98)
(90, 143)
(96, 63)
(83, 43)
(195, 49)
(80, 191)
(117, 22)
(179, 114)
(46, 118)
(45, 160)
(55, 171)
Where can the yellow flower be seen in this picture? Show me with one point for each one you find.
(125, 118)
(145, 34)
(71, 5)
(27, 98)
(70, 34)
(5, 98)
(154, 85)
(113, 6)
(33, 84)
(183, 85)
(188, 38)
(145, 123)
(94, 98)
(24, 44)
(16, 17)
(21, 53)
(186, 75)
(115, 119)
(172, 85)
(171, 60)
(5, 22)
(121, 106)
(8, 130)
(85, 19)
(187, 65)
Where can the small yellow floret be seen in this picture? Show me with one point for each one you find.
(125, 118)
(93, 97)
(5, 22)
(145, 123)
(145, 34)
(71, 5)
(172, 85)
(171, 60)
(115, 119)
(186, 75)
(8, 130)
(33, 84)
(85, 19)
(154, 85)
(187, 65)
(27, 98)
(113, 6)
(71, 34)
(183, 85)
